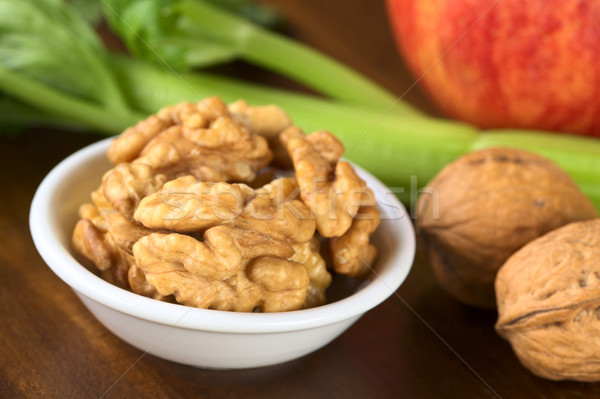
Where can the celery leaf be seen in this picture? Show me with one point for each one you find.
(46, 40)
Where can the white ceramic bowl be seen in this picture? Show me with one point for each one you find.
(201, 337)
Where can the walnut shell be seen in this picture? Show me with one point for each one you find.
(548, 297)
(486, 205)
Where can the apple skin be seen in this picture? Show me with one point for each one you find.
(509, 63)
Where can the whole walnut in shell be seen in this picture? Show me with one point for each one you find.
(486, 205)
(548, 297)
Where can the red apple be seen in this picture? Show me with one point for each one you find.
(506, 63)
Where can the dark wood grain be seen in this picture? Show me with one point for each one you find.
(417, 344)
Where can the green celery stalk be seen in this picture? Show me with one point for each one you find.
(55, 102)
(18, 115)
(404, 152)
(286, 56)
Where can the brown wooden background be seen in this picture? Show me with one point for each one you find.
(418, 344)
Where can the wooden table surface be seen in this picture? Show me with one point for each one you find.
(417, 344)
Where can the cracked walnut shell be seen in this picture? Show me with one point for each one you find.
(548, 296)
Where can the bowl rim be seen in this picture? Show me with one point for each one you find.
(43, 226)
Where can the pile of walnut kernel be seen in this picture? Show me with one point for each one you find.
(194, 212)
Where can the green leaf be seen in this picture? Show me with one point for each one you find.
(48, 41)
(150, 31)
(89, 10)
(153, 32)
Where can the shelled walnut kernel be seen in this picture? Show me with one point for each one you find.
(175, 220)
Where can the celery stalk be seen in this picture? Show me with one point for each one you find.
(16, 115)
(55, 102)
(292, 59)
(404, 152)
